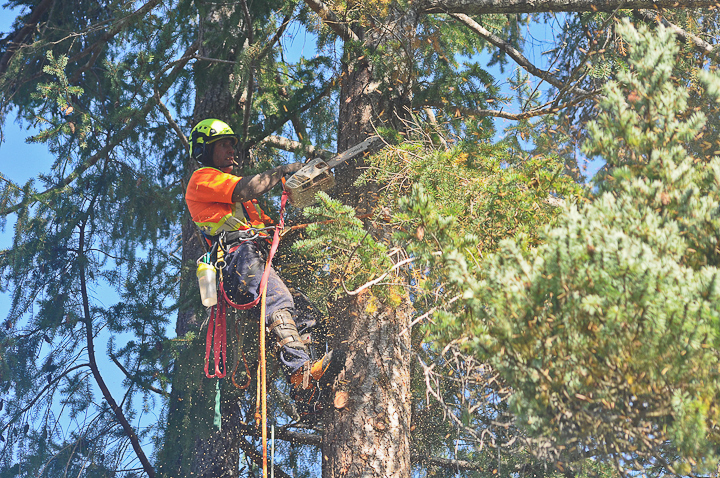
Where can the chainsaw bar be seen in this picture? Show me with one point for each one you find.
(354, 152)
(317, 176)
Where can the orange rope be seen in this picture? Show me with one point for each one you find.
(262, 385)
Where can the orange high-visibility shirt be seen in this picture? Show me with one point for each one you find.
(209, 199)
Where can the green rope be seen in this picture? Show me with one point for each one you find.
(217, 420)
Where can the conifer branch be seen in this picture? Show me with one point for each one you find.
(519, 58)
(246, 97)
(171, 121)
(448, 463)
(127, 129)
(275, 123)
(96, 48)
(41, 393)
(548, 108)
(19, 38)
(276, 38)
(134, 379)
(119, 415)
(294, 119)
(330, 19)
(213, 60)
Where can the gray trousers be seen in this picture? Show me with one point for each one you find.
(242, 274)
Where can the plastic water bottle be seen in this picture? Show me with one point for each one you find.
(206, 280)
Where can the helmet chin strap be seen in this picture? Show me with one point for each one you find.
(207, 157)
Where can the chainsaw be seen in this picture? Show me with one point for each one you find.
(317, 174)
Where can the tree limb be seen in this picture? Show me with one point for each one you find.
(276, 38)
(41, 393)
(480, 7)
(514, 54)
(446, 463)
(275, 123)
(135, 380)
(331, 20)
(553, 108)
(19, 37)
(293, 146)
(97, 47)
(171, 121)
(248, 93)
(119, 415)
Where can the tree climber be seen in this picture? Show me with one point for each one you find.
(225, 208)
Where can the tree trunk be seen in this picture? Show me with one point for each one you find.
(369, 432)
(368, 429)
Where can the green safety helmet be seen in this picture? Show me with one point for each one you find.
(205, 133)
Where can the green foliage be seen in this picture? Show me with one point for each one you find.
(607, 331)
(94, 257)
(435, 203)
(338, 239)
(59, 93)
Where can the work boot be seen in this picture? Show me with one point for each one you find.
(310, 324)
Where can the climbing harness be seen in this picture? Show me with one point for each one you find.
(216, 338)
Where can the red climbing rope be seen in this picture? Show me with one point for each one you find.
(216, 340)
